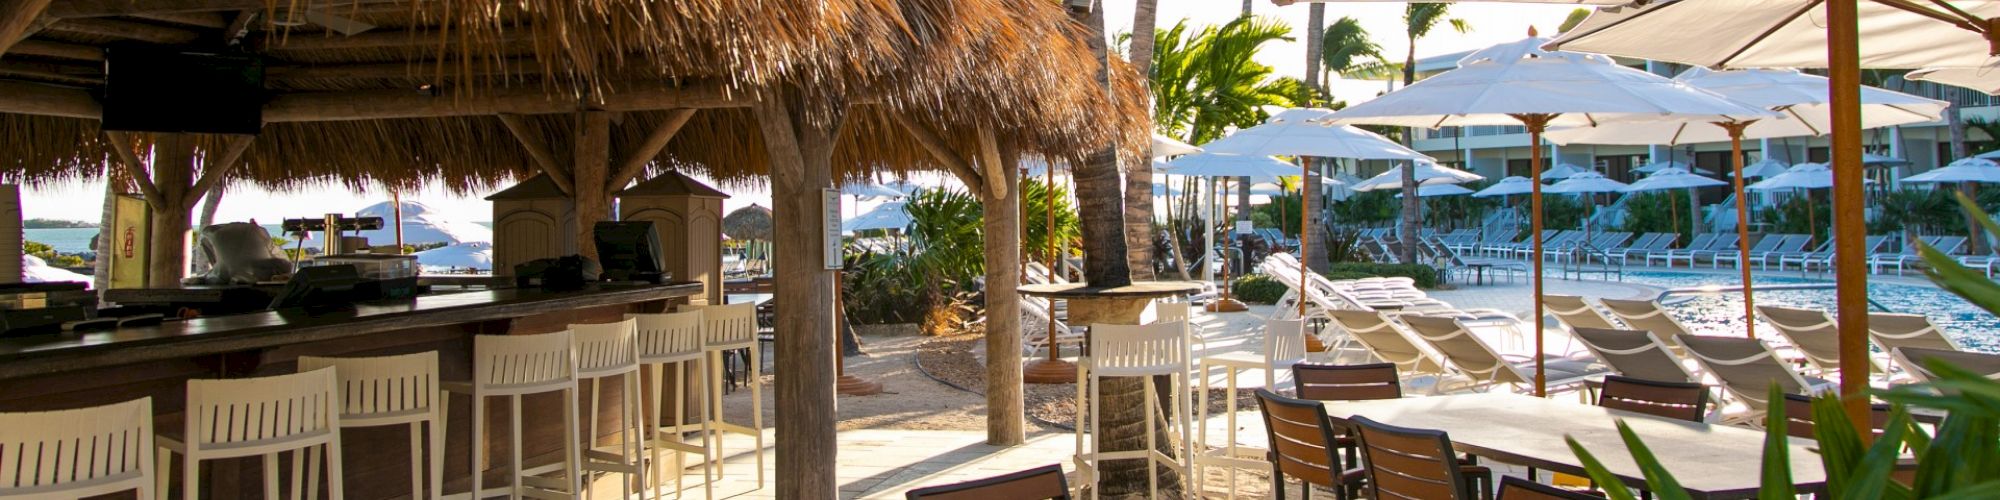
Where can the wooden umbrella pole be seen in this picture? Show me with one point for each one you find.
(1536, 124)
(1049, 246)
(1843, 49)
(1742, 224)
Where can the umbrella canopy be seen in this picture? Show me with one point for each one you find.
(1494, 86)
(1802, 98)
(1428, 174)
(888, 215)
(1875, 160)
(1164, 146)
(1585, 183)
(1440, 190)
(1668, 165)
(1800, 176)
(1672, 178)
(468, 255)
(1258, 168)
(420, 225)
(870, 190)
(1964, 170)
(1990, 155)
(1784, 33)
(1511, 185)
(1764, 168)
(1562, 171)
(1164, 190)
(1984, 78)
(1306, 132)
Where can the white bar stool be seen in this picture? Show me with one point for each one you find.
(605, 351)
(674, 339)
(265, 416)
(1144, 351)
(727, 328)
(394, 390)
(78, 453)
(1284, 346)
(512, 366)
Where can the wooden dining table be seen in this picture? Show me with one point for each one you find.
(1710, 461)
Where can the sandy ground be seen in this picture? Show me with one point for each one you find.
(909, 399)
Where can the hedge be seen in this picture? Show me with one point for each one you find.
(1258, 289)
(1425, 276)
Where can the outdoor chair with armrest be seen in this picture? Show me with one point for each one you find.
(1770, 243)
(1910, 255)
(1468, 355)
(1813, 333)
(1305, 444)
(1417, 463)
(1676, 400)
(1635, 354)
(1915, 361)
(1747, 368)
(1701, 241)
(1648, 316)
(1799, 422)
(1040, 483)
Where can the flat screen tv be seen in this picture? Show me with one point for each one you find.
(628, 250)
(154, 89)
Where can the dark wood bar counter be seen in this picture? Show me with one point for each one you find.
(49, 372)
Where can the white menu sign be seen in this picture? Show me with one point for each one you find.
(830, 226)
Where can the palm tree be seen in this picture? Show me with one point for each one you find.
(1575, 17)
(1139, 174)
(1346, 47)
(1098, 189)
(1418, 21)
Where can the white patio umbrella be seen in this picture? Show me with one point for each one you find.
(1562, 171)
(1661, 165)
(1668, 179)
(1518, 83)
(421, 224)
(1973, 169)
(1802, 98)
(1208, 164)
(1764, 168)
(888, 215)
(1587, 183)
(1875, 160)
(1164, 146)
(1439, 190)
(1427, 174)
(1511, 185)
(1160, 189)
(1983, 78)
(871, 190)
(1800, 176)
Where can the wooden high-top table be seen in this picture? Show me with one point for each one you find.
(48, 372)
(1711, 461)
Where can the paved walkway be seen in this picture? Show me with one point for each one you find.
(876, 463)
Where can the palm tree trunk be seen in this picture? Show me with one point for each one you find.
(1139, 174)
(1955, 125)
(1412, 212)
(1313, 254)
(1246, 7)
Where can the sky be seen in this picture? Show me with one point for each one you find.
(1490, 23)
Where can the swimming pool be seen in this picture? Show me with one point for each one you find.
(1722, 314)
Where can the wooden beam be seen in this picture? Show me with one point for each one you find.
(53, 72)
(17, 18)
(130, 30)
(539, 150)
(378, 40)
(512, 66)
(635, 160)
(48, 100)
(934, 143)
(213, 20)
(58, 50)
(105, 8)
(383, 104)
(121, 147)
(989, 157)
(217, 165)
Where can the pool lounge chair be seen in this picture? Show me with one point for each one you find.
(1470, 356)
(1892, 331)
(1727, 245)
(1648, 316)
(1701, 241)
(1910, 255)
(1715, 243)
(1508, 249)
(1574, 313)
(1812, 332)
(1916, 362)
(1747, 368)
(1386, 342)
(1661, 243)
(1794, 244)
(1551, 247)
(1772, 243)
(1823, 258)
(1982, 262)
(1635, 353)
(1594, 249)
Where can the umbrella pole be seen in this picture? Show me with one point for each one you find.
(1536, 124)
(1849, 226)
(1742, 225)
(1304, 163)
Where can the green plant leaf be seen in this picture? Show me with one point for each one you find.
(1840, 447)
(1984, 490)
(1658, 480)
(1870, 477)
(1614, 489)
(1777, 476)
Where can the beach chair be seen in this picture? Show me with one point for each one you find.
(1982, 262)
(1661, 243)
(1701, 242)
(1915, 361)
(1794, 244)
(1386, 342)
(1574, 313)
(1676, 400)
(1799, 422)
(1948, 245)
(1525, 244)
(1823, 258)
(1747, 368)
(1896, 331)
(1799, 258)
(1810, 331)
(1635, 353)
(1550, 247)
(1470, 356)
(1648, 316)
(1725, 243)
(1770, 243)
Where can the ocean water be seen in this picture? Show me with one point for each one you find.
(1722, 314)
(77, 240)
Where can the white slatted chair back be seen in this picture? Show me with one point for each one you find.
(1169, 312)
(78, 453)
(258, 416)
(504, 365)
(606, 349)
(1139, 350)
(668, 337)
(727, 326)
(1284, 342)
(382, 390)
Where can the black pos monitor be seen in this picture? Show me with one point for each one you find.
(629, 251)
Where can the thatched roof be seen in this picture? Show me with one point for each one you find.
(748, 223)
(1020, 68)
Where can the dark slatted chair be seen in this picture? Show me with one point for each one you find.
(1303, 446)
(1040, 483)
(1799, 417)
(1321, 382)
(1675, 400)
(1418, 463)
(1514, 488)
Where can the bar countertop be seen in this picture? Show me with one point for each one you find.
(47, 354)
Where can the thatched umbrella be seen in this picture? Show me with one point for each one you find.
(748, 223)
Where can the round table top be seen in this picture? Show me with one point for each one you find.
(1142, 289)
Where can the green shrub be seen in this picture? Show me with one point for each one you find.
(1425, 276)
(1258, 289)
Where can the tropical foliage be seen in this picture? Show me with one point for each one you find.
(1282, 212)
(1559, 212)
(1659, 212)
(1800, 215)
(1454, 212)
(1366, 209)
(1347, 50)
(1035, 219)
(934, 273)
(1924, 211)
(1258, 289)
(1206, 81)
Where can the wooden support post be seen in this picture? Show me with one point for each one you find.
(1001, 204)
(173, 178)
(590, 200)
(801, 155)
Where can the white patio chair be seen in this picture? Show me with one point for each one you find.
(394, 390)
(726, 328)
(673, 341)
(258, 417)
(512, 366)
(84, 452)
(606, 351)
(1144, 352)
(1284, 345)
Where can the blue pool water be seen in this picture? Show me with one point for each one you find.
(1972, 327)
